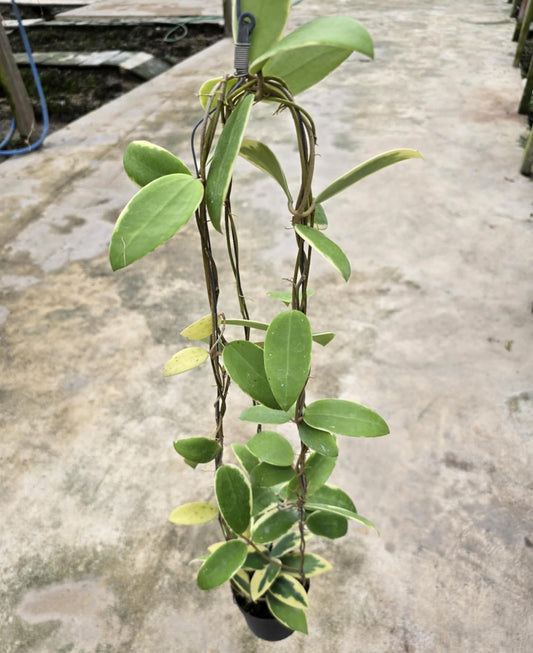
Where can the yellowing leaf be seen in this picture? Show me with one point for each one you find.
(198, 330)
(198, 512)
(185, 360)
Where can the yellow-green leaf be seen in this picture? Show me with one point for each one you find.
(313, 564)
(197, 512)
(198, 330)
(222, 564)
(293, 618)
(185, 360)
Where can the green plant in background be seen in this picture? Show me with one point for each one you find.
(275, 498)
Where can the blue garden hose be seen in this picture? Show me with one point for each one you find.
(42, 100)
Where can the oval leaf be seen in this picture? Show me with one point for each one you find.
(345, 418)
(288, 344)
(365, 169)
(326, 248)
(144, 162)
(264, 415)
(197, 450)
(326, 524)
(226, 152)
(263, 579)
(245, 457)
(263, 499)
(293, 618)
(198, 330)
(185, 360)
(244, 362)
(290, 591)
(222, 564)
(234, 497)
(266, 475)
(320, 441)
(153, 216)
(313, 564)
(198, 512)
(332, 496)
(273, 525)
(271, 447)
(261, 156)
(270, 22)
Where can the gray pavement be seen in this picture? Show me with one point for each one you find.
(434, 331)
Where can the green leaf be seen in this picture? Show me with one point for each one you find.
(234, 497)
(321, 220)
(152, 216)
(318, 469)
(287, 356)
(336, 510)
(245, 457)
(261, 156)
(197, 450)
(345, 418)
(263, 499)
(293, 618)
(254, 561)
(226, 152)
(264, 415)
(251, 324)
(323, 338)
(273, 525)
(185, 360)
(286, 296)
(144, 162)
(319, 441)
(270, 22)
(332, 496)
(244, 362)
(326, 248)
(287, 589)
(198, 512)
(242, 580)
(198, 330)
(272, 448)
(285, 544)
(222, 564)
(312, 51)
(365, 169)
(326, 524)
(263, 579)
(313, 564)
(266, 475)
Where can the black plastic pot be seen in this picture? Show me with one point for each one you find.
(260, 620)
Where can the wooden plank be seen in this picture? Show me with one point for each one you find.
(527, 160)
(16, 92)
(528, 90)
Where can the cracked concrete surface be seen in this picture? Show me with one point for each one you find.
(434, 331)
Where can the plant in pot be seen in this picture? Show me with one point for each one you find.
(274, 497)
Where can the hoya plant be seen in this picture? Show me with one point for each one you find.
(271, 493)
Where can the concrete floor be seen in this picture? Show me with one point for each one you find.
(434, 331)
